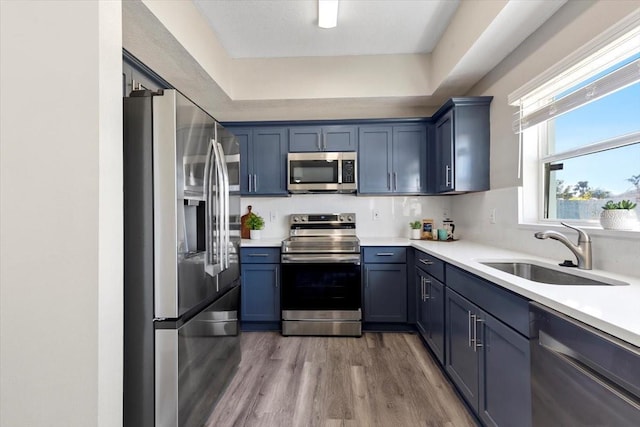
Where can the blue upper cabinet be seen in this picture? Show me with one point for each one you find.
(409, 159)
(462, 145)
(322, 138)
(374, 165)
(263, 161)
(136, 76)
(392, 159)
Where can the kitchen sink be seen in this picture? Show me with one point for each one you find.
(549, 275)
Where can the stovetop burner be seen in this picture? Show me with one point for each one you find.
(322, 233)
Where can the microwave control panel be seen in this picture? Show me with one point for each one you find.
(348, 172)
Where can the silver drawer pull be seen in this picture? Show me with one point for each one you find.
(426, 262)
(259, 255)
(385, 254)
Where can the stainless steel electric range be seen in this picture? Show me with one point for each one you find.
(321, 289)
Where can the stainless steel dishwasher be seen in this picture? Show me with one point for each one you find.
(581, 376)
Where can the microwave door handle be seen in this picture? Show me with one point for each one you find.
(340, 171)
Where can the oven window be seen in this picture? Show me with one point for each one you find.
(314, 171)
(320, 287)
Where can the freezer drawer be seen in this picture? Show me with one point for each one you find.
(195, 363)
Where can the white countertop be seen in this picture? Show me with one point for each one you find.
(612, 309)
(261, 243)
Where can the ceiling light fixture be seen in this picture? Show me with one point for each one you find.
(327, 13)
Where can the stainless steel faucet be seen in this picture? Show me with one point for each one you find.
(582, 250)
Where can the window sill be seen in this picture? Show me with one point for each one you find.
(592, 230)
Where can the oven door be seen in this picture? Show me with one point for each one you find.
(314, 286)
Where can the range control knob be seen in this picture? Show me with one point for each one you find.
(350, 218)
(341, 218)
(296, 219)
(304, 219)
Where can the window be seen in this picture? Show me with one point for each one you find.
(585, 121)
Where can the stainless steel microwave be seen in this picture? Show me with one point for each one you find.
(322, 172)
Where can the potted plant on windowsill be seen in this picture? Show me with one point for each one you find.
(415, 229)
(255, 223)
(618, 216)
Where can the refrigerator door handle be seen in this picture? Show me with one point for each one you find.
(212, 236)
(221, 204)
(224, 196)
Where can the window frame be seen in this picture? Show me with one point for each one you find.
(544, 201)
(534, 139)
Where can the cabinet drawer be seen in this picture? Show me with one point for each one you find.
(500, 303)
(385, 254)
(260, 255)
(430, 264)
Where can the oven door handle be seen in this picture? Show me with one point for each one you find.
(320, 258)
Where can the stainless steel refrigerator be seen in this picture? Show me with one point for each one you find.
(181, 264)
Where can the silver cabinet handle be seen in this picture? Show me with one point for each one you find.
(421, 288)
(384, 254)
(395, 181)
(469, 324)
(258, 255)
(426, 262)
(255, 182)
(478, 344)
(388, 181)
(249, 176)
(447, 172)
(324, 141)
(427, 284)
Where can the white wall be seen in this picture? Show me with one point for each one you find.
(574, 25)
(395, 211)
(61, 221)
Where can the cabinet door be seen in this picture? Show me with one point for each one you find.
(374, 160)
(444, 153)
(435, 302)
(339, 138)
(246, 166)
(304, 139)
(135, 78)
(260, 292)
(409, 154)
(422, 306)
(385, 293)
(269, 159)
(505, 380)
(461, 356)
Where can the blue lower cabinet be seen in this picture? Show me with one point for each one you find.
(488, 362)
(430, 312)
(505, 378)
(462, 357)
(260, 293)
(385, 293)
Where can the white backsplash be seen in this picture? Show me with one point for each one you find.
(395, 212)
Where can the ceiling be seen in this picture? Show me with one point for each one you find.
(252, 60)
(285, 28)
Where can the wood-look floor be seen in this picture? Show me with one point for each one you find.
(387, 380)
